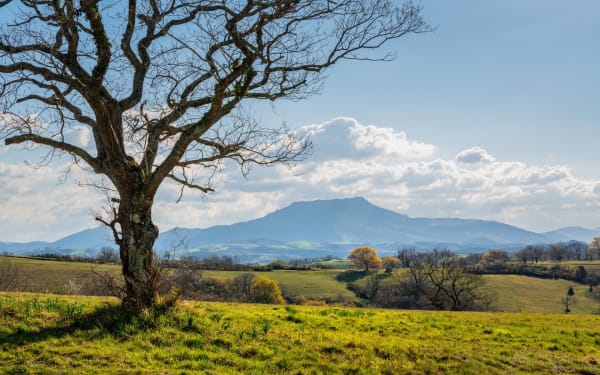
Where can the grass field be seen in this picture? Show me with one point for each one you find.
(512, 293)
(317, 284)
(42, 334)
(49, 276)
(515, 293)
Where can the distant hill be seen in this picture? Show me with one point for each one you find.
(321, 227)
(355, 220)
(573, 233)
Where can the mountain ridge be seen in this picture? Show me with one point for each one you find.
(324, 224)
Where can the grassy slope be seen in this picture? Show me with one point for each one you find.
(38, 335)
(318, 284)
(48, 276)
(513, 293)
(521, 293)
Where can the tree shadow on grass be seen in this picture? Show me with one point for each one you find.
(351, 276)
(109, 319)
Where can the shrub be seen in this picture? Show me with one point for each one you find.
(279, 264)
(265, 290)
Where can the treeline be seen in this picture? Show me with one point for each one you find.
(533, 261)
(439, 279)
(425, 280)
(559, 251)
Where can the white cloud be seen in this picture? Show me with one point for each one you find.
(384, 165)
(474, 155)
(37, 206)
(344, 137)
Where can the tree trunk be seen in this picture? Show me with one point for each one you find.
(138, 234)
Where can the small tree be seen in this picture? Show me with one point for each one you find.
(495, 257)
(107, 255)
(593, 250)
(265, 290)
(364, 257)
(240, 287)
(389, 263)
(580, 274)
(569, 299)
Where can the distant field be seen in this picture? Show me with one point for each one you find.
(590, 266)
(513, 293)
(317, 284)
(49, 276)
(75, 335)
(521, 293)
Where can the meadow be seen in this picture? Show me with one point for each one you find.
(512, 293)
(41, 334)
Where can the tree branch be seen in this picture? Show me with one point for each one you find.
(69, 148)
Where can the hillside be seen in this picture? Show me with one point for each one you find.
(47, 334)
(512, 293)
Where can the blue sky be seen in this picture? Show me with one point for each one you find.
(495, 115)
(520, 77)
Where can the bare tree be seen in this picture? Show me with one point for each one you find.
(240, 287)
(437, 280)
(593, 250)
(157, 84)
(107, 255)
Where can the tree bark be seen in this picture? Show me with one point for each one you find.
(138, 234)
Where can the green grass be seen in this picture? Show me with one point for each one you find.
(315, 284)
(73, 335)
(48, 276)
(515, 293)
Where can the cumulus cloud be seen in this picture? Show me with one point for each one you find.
(384, 165)
(474, 155)
(346, 138)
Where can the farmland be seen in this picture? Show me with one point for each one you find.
(512, 293)
(527, 333)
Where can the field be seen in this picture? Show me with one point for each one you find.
(41, 334)
(512, 293)
(515, 293)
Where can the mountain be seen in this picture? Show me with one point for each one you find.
(21, 247)
(88, 239)
(317, 228)
(573, 233)
(355, 220)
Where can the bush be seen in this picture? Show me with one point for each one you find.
(265, 290)
(279, 264)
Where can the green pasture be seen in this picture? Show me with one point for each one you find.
(512, 293)
(44, 334)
